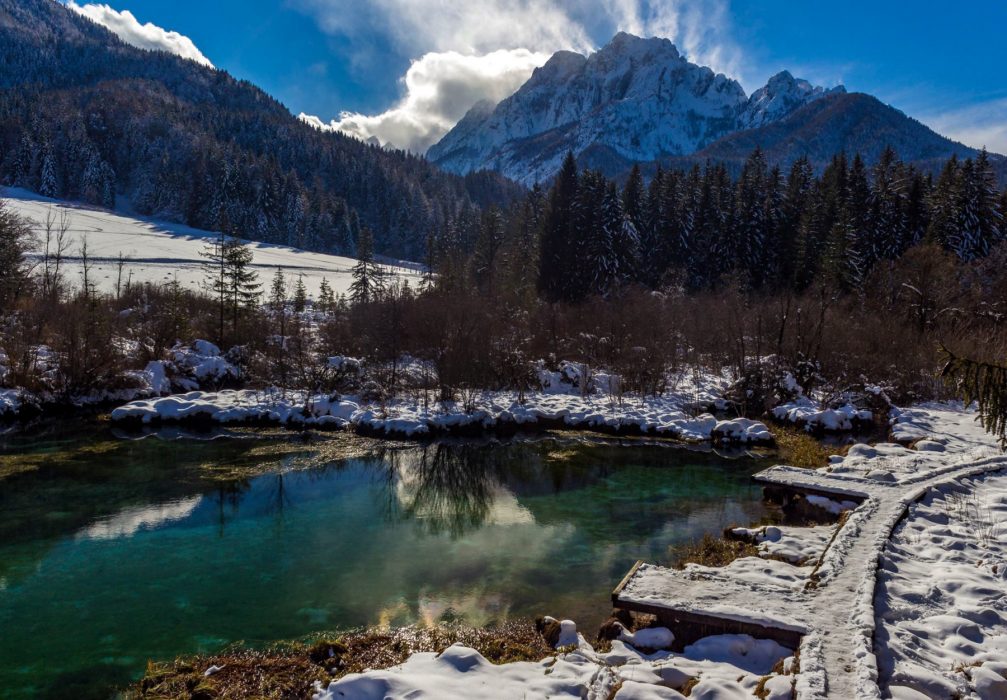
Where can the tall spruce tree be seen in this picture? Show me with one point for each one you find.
(230, 279)
(800, 181)
(849, 255)
(560, 252)
(634, 196)
(943, 204)
(750, 225)
(300, 295)
(488, 256)
(887, 225)
(595, 263)
(368, 280)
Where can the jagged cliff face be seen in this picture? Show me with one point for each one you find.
(637, 99)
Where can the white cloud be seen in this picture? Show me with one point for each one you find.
(144, 36)
(485, 49)
(978, 125)
(439, 89)
(473, 27)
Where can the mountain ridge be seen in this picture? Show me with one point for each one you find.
(639, 101)
(640, 97)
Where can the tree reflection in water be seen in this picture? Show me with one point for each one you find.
(447, 489)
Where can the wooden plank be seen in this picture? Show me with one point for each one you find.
(690, 626)
(625, 580)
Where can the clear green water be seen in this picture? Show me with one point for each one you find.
(116, 551)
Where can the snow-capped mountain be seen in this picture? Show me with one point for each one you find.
(778, 98)
(636, 99)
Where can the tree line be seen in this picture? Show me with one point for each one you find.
(697, 229)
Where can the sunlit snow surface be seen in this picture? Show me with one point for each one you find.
(159, 251)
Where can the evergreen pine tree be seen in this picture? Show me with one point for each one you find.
(943, 201)
(800, 182)
(594, 266)
(229, 278)
(634, 198)
(917, 194)
(15, 237)
(242, 280)
(559, 251)
(278, 291)
(215, 273)
(887, 227)
(300, 295)
(750, 225)
(49, 182)
(368, 280)
(326, 299)
(849, 256)
(487, 260)
(278, 304)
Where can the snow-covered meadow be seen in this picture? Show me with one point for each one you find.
(159, 251)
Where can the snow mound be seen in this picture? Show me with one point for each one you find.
(725, 666)
(813, 417)
(742, 430)
(10, 401)
(796, 545)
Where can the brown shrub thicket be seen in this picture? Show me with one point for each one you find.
(888, 333)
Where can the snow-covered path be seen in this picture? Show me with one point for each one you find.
(835, 604)
(845, 603)
(940, 603)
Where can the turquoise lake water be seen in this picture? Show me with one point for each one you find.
(114, 551)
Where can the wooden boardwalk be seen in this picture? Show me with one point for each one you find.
(697, 605)
(830, 619)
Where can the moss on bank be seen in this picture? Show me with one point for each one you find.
(800, 449)
(711, 551)
(288, 671)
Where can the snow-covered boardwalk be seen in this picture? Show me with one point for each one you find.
(830, 604)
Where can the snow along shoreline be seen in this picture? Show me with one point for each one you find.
(501, 412)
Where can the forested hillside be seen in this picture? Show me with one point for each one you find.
(84, 116)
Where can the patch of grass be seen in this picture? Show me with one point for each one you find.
(288, 671)
(711, 551)
(14, 463)
(799, 449)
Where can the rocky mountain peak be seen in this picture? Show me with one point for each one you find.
(636, 98)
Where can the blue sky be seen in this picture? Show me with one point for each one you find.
(941, 63)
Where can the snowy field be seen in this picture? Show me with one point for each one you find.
(158, 251)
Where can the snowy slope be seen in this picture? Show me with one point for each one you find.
(637, 98)
(158, 252)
